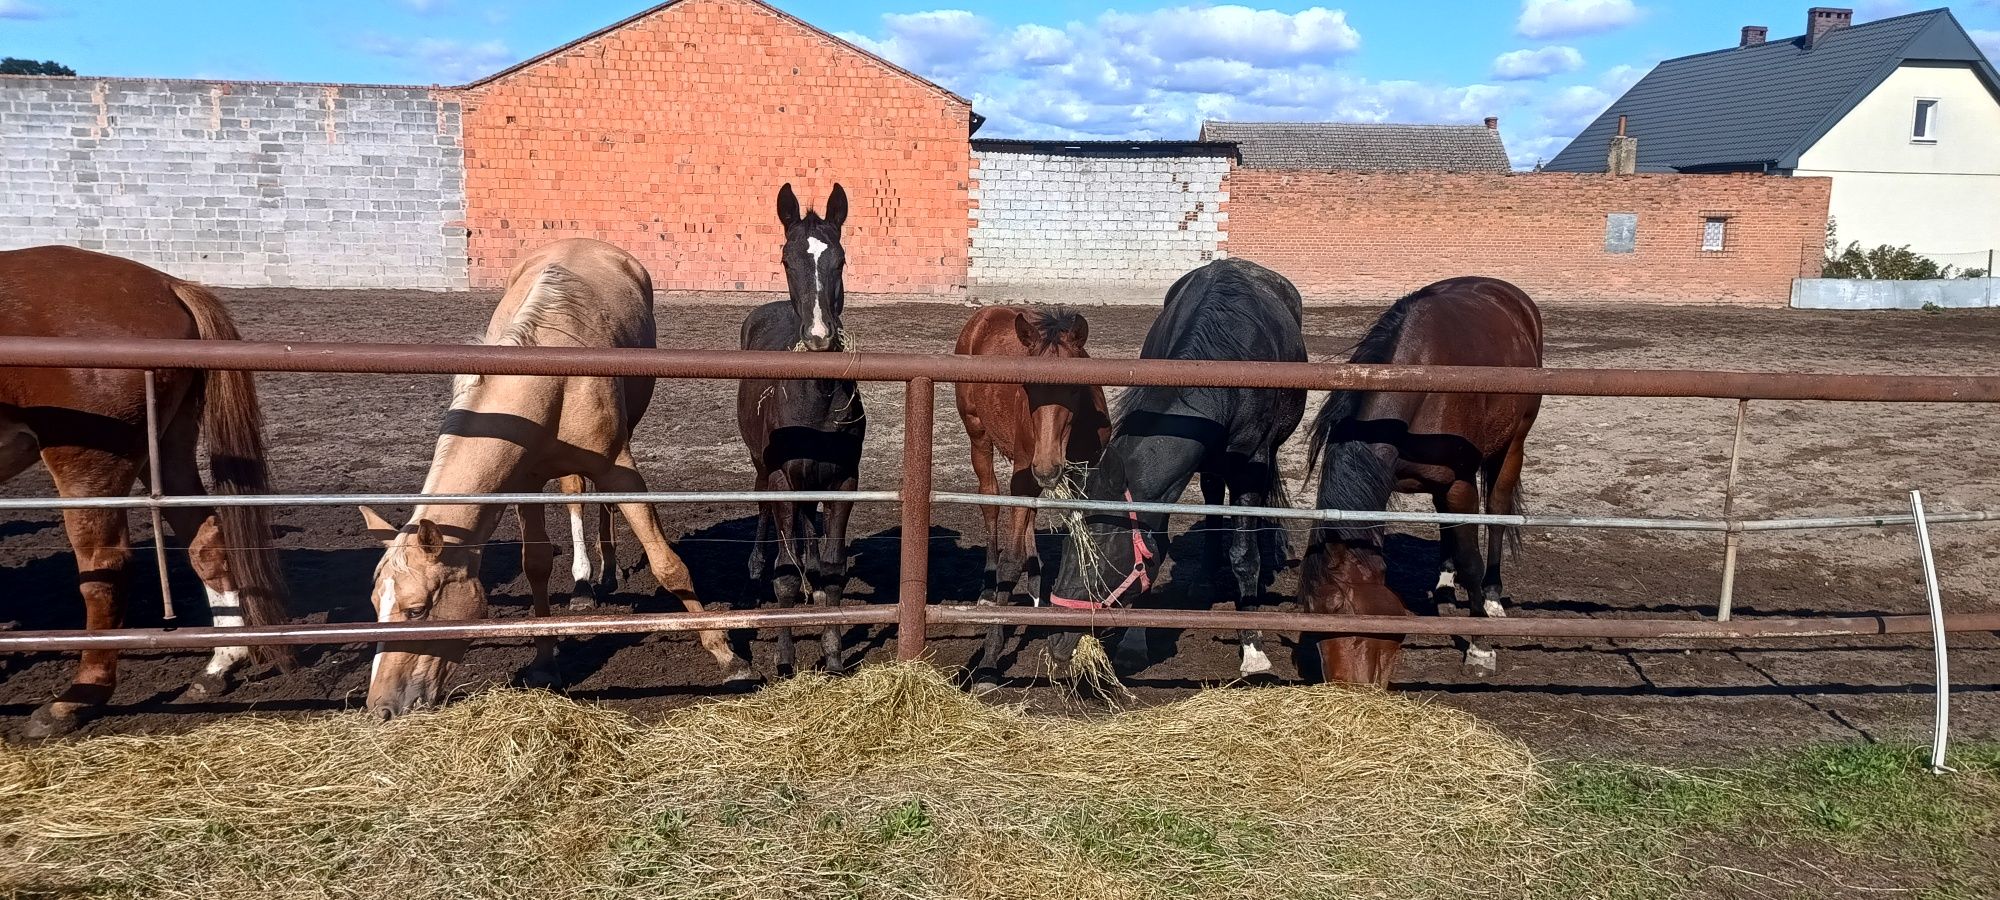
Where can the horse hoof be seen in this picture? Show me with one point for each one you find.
(209, 684)
(739, 673)
(1255, 662)
(1481, 663)
(984, 686)
(582, 603)
(540, 677)
(53, 720)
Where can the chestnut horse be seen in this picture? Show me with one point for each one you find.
(1043, 429)
(517, 433)
(88, 426)
(1368, 444)
(803, 434)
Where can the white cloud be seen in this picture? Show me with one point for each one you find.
(1236, 32)
(1988, 40)
(1565, 18)
(441, 60)
(21, 9)
(1520, 65)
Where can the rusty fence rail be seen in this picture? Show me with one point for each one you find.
(913, 615)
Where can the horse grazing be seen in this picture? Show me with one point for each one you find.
(803, 434)
(1230, 310)
(1043, 429)
(1367, 444)
(88, 426)
(516, 433)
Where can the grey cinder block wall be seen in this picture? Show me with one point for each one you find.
(240, 184)
(1094, 222)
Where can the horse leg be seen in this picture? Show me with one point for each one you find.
(1470, 569)
(667, 567)
(833, 574)
(102, 544)
(762, 556)
(1246, 563)
(1446, 592)
(1503, 494)
(583, 595)
(607, 553)
(787, 573)
(538, 563)
(202, 532)
(989, 484)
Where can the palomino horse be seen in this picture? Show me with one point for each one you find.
(1043, 429)
(1367, 444)
(803, 434)
(1230, 310)
(89, 427)
(516, 433)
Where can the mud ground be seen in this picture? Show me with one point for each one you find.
(1666, 700)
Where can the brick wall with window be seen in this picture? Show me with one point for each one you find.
(670, 135)
(1561, 237)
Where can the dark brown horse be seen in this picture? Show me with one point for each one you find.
(1454, 447)
(1043, 429)
(88, 426)
(803, 434)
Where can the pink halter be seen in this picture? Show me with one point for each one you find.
(1139, 557)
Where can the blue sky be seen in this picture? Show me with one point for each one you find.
(1035, 68)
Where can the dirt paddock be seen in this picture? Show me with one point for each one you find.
(1647, 699)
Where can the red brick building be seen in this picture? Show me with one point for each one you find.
(670, 133)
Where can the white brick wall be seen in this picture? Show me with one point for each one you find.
(239, 184)
(1093, 225)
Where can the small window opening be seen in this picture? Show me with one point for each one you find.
(1714, 233)
(1924, 129)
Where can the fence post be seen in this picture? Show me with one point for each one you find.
(153, 496)
(1734, 536)
(1941, 728)
(913, 596)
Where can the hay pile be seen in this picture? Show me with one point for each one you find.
(889, 783)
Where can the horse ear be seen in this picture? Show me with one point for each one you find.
(378, 527)
(1024, 328)
(1081, 329)
(788, 206)
(429, 539)
(836, 207)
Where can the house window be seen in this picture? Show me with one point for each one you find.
(1924, 129)
(1713, 231)
(1621, 232)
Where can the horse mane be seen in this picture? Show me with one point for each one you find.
(1051, 323)
(1376, 347)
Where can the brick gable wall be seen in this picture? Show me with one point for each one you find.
(670, 137)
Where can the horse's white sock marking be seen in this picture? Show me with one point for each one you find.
(227, 610)
(1447, 580)
(579, 566)
(1495, 610)
(385, 606)
(815, 247)
(1481, 658)
(1254, 661)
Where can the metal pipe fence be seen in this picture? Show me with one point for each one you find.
(913, 615)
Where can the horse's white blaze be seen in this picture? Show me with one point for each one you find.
(815, 247)
(579, 566)
(1495, 610)
(1447, 580)
(385, 606)
(227, 610)
(1255, 661)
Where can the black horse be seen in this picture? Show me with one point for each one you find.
(1230, 310)
(803, 434)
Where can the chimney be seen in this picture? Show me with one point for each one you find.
(1823, 20)
(1753, 35)
(1492, 123)
(1624, 156)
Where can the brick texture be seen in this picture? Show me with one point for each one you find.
(671, 135)
(1374, 237)
(236, 183)
(1093, 225)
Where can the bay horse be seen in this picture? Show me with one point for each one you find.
(88, 426)
(1454, 447)
(1230, 310)
(517, 433)
(803, 434)
(1042, 429)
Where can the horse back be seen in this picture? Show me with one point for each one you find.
(70, 292)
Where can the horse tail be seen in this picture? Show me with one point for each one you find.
(233, 423)
(1279, 498)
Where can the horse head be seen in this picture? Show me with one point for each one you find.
(1348, 577)
(1107, 557)
(420, 578)
(1058, 334)
(813, 263)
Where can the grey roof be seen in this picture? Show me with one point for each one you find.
(1350, 147)
(1749, 108)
